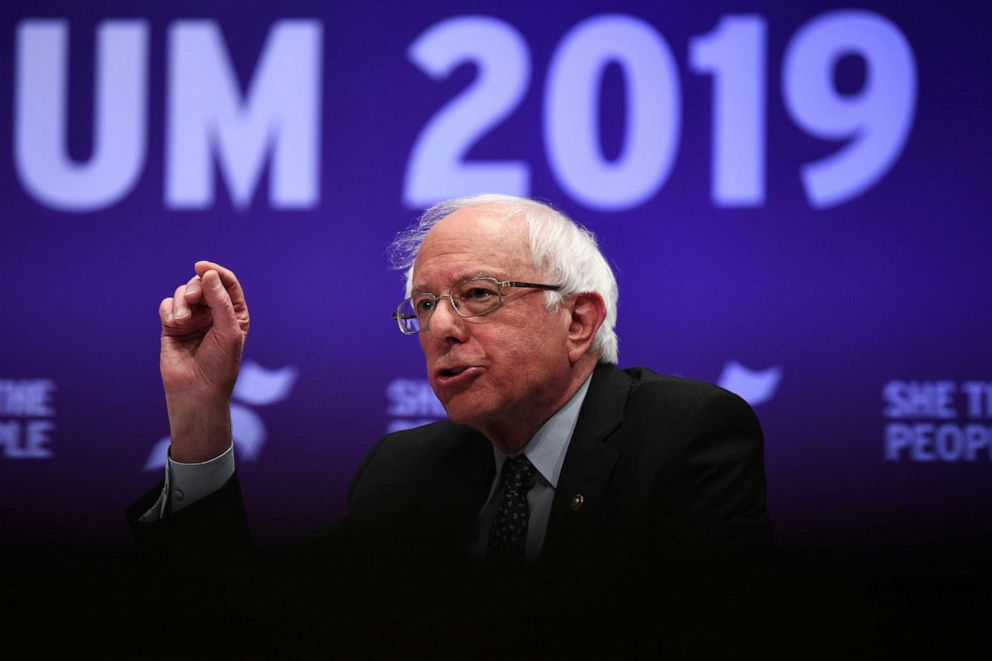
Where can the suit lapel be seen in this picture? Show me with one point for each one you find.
(460, 487)
(589, 464)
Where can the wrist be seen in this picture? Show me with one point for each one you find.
(199, 432)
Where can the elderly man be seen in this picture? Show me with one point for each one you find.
(553, 461)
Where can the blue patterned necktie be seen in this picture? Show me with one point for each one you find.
(508, 534)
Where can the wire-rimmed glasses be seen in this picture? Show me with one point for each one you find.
(469, 298)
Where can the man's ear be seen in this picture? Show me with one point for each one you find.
(588, 311)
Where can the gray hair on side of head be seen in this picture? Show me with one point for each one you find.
(564, 251)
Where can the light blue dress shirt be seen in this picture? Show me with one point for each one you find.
(546, 451)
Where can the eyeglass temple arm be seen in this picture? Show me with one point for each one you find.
(529, 285)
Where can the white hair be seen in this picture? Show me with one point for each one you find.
(563, 251)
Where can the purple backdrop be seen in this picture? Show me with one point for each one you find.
(855, 319)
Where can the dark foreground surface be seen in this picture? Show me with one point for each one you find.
(809, 605)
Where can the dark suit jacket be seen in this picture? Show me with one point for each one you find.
(657, 467)
(664, 478)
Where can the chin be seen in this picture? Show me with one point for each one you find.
(459, 415)
(465, 412)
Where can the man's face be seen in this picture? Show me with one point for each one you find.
(509, 368)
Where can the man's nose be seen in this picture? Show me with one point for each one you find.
(445, 322)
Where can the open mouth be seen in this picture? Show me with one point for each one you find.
(452, 376)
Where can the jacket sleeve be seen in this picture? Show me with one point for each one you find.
(214, 529)
(719, 505)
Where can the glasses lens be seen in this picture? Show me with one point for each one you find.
(406, 317)
(476, 297)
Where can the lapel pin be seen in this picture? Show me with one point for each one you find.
(577, 501)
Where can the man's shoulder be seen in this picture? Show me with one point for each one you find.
(420, 450)
(429, 439)
(434, 469)
(646, 383)
(653, 396)
(649, 378)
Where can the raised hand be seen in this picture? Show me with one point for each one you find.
(204, 326)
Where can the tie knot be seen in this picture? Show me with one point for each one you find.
(518, 470)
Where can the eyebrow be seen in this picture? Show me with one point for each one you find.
(461, 277)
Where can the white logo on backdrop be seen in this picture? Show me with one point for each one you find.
(412, 402)
(753, 386)
(938, 420)
(26, 418)
(256, 386)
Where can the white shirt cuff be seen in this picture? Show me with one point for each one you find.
(186, 484)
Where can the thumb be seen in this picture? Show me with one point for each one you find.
(215, 296)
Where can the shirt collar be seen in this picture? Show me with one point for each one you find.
(546, 450)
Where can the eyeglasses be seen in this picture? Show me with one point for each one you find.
(469, 298)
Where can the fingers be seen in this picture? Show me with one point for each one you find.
(184, 305)
(194, 292)
(180, 308)
(229, 281)
(165, 312)
(217, 298)
(212, 296)
(231, 286)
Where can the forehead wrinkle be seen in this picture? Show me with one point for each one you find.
(463, 275)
